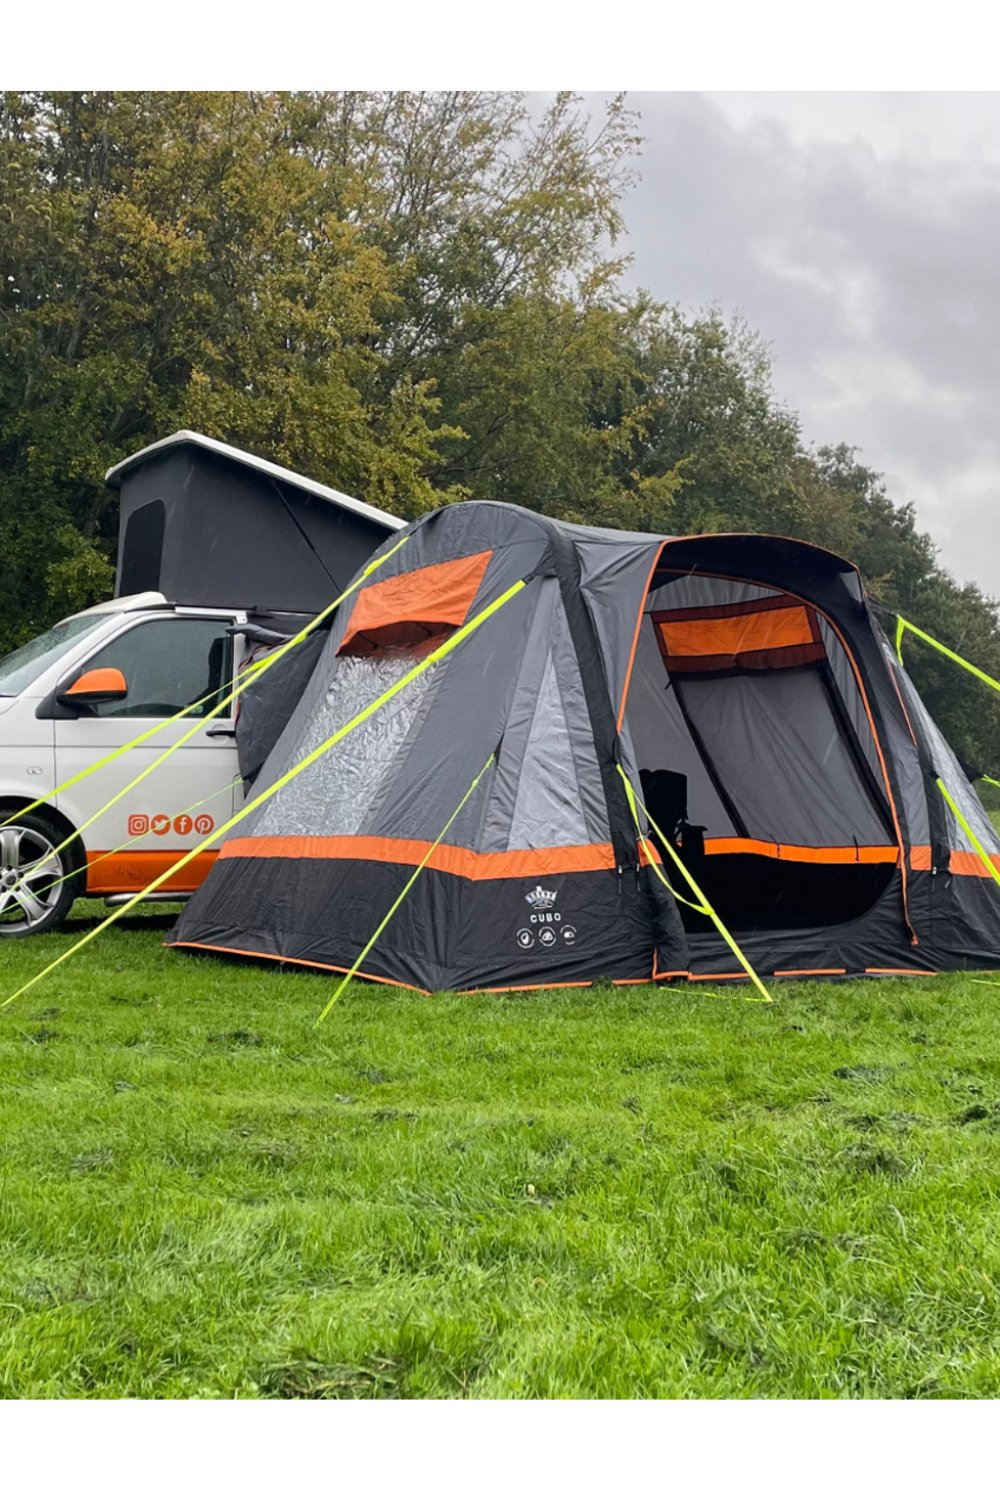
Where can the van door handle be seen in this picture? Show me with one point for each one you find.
(220, 734)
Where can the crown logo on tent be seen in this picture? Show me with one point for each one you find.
(541, 900)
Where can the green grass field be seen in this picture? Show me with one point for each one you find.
(606, 1193)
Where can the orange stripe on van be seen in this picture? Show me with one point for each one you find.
(113, 874)
(564, 859)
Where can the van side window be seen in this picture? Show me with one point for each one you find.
(168, 664)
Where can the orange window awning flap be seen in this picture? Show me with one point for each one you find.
(760, 634)
(414, 606)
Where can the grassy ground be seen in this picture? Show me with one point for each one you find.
(607, 1193)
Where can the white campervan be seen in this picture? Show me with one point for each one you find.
(103, 678)
(73, 696)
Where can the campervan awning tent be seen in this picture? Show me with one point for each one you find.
(741, 685)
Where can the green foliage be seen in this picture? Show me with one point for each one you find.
(415, 297)
(581, 1193)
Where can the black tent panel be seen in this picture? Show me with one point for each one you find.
(206, 524)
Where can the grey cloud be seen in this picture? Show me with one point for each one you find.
(872, 274)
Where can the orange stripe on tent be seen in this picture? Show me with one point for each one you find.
(834, 854)
(517, 989)
(918, 973)
(303, 963)
(432, 598)
(960, 861)
(796, 973)
(111, 874)
(964, 862)
(563, 859)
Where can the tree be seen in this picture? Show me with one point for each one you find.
(415, 297)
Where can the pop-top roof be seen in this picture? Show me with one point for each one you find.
(115, 475)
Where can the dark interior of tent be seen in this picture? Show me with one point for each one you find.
(757, 755)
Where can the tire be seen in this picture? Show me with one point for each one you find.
(37, 887)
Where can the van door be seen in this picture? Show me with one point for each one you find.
(169, 661)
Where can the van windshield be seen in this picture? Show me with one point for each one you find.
(20, 668)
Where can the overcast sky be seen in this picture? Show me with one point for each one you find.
(860, 235)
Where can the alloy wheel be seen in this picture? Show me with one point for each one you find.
(31, 883)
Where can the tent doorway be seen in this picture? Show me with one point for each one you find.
(758, 756)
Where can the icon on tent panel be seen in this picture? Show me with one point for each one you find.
(541, 900)
(525, 938)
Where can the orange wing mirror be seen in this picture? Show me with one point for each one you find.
(100, 685)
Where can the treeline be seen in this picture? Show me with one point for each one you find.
(415, 298)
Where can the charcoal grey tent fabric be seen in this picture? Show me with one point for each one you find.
(748, 670)
(264, 710)
(207, 524)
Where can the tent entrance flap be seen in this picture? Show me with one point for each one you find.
(755, 758)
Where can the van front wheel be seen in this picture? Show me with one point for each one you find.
(37, 887)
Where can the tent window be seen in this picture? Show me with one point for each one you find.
(759, 635)
(142, 548)
(414, 607)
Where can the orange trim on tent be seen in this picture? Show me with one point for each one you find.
(517, 989)
(960, 861)
(895, 683)
(511, 864)
(111, 874)
(965, 862)
(833, 854)
(432, 599)
(796, 973)
(303, 963)
(918, 973)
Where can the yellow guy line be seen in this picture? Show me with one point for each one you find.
(283, 781)
(248, 681)
(705, 906)
(903, 625)
(967, 830)
(240, 681)
(352, 971)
